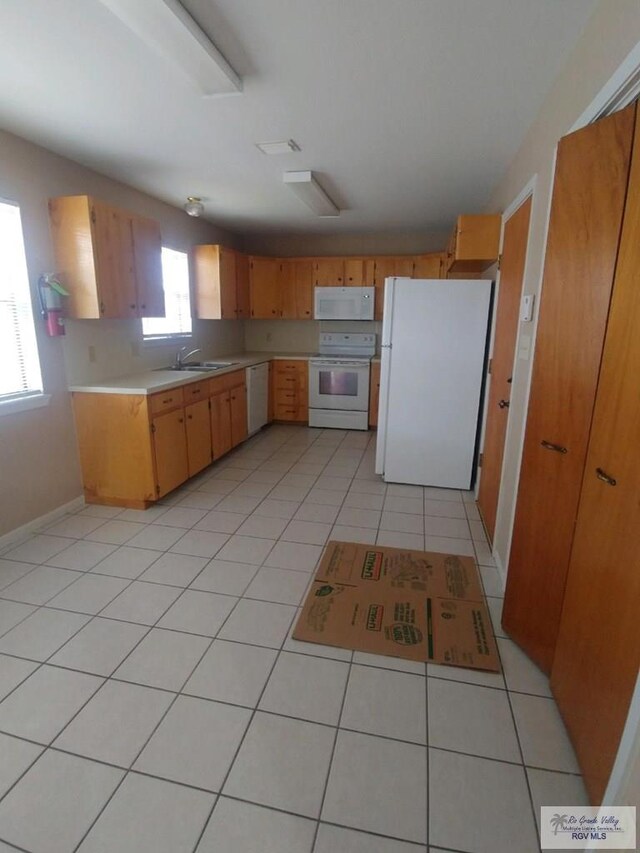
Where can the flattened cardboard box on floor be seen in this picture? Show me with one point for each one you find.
(410, 604)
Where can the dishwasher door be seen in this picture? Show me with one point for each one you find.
(257, 396)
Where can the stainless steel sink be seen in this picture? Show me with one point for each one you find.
(198, 367)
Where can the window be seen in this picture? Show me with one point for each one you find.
(20, 377)
(177, 323)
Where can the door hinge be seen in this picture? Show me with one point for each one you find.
(93, 215)
(157, 489)
(153, 427)
(480, 460)
(490, 367)
(209, 404)
(499, 260)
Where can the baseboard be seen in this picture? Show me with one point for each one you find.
(13, 537)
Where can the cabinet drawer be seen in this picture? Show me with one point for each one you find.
(166, 401)
(229, 380)
(195, 391)
(288, 396)
(288, 412)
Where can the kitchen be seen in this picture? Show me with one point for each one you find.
(38, 453)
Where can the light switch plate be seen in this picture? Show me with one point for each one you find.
(526, 307)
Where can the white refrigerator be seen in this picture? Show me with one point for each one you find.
(434, 345)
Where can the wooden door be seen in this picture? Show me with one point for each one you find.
(354, 272)
(428, 266)
(328, 272)
(170, 451)
(598, 651)
(238, 402)
(220, 424)
(198, 425)
(227, 273)
(147, 251)
(114, 259)
(264, 286)
(287, 290)
(586, 214)
(303, 283)
(374, 393)
(514, 253)
(242, 287)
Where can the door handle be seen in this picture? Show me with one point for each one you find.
(601, 475)
(558, 448)
(503, 404)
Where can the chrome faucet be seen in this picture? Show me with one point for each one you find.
(181, 359)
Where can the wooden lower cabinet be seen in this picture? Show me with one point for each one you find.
(291, 390)
(169, 438)
(136, 448)
(374, 393)
(198, 431)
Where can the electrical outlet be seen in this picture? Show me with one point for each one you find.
(92, 354)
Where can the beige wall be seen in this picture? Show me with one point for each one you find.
(299, 245)
(610, 34)
(298, 336)
(38, 460)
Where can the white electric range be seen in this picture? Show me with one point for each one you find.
(339, 381)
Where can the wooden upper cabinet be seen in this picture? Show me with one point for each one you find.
(264, 285)
(474, 244)
(303, 285)
(108, 259)
(428, 266)
(242, 286)
(328, 272)
(354, 275)
(288, 310)
(213, 270)
(147, 256)
(383, 268)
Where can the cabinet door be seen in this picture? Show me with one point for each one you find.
(354, 272)
(170, 451)
(271, 393)
(242, 287)
(287, 290)
(584, 230)
(328, 272)
(374, 393)
(238, 403)
(428, 266)
(303, 285)
(476, 243)
(598, 651)
(114, 259)
(198, 423)
(147, 250)
(220, 424)
(264, 286)
(228, 303)
(386, 268)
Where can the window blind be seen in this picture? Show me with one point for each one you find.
(19, 364)
(175, 279)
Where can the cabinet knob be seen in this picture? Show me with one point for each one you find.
(180, 420)
(143, 307)
(190, 417)
(133, 307)
(557, 448)
(601, 475)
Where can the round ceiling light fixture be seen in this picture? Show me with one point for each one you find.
(194, 206)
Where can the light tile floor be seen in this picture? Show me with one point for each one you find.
(152, 699)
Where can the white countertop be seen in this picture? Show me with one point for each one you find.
(161, 380)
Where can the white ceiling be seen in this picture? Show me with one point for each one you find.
(409, 110)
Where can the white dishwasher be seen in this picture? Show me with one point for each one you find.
(257, 396)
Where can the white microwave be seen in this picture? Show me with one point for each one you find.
(343, 303)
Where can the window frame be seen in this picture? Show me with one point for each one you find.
(154, 341)
(32, 398)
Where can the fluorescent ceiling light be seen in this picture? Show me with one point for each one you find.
(285, 147)
(305, 186)
(166, 26)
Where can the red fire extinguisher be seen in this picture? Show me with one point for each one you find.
(51, 293)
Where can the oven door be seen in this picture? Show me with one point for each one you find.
(342, 385)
